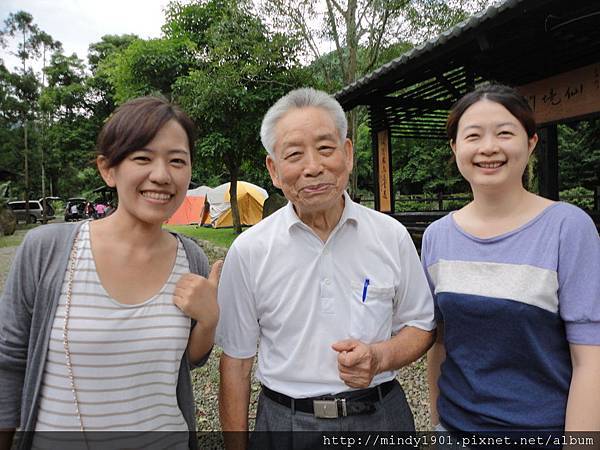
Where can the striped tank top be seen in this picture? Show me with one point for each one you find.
(125, 358)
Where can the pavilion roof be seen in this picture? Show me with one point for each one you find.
(514, 42)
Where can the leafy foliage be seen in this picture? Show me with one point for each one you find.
(428, 18)
(579, 154)
(425, 166)
(150, 66)
(242, 71)
(579, 196)
(225, 66)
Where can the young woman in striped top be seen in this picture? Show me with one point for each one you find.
(516, 287)
(100, 321)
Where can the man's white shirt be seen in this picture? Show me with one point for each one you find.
(284, 289)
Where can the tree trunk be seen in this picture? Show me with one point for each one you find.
(26, 163)
(352, 43)
(43, 144)
(235, 211)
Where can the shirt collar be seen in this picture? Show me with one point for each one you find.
(350, 213)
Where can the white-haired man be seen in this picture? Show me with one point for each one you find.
(332, 292)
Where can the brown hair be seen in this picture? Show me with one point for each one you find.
(135, 123)
(499, 93)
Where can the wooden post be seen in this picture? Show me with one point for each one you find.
(375, 161)
(382, 168)
(547, 148)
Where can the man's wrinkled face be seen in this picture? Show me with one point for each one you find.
(312, 163)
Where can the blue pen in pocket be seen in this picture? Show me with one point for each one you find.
(365, 287)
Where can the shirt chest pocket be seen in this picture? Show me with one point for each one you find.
(371, 310)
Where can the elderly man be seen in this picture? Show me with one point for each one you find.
(333, 292)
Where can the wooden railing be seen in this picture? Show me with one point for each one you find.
(417, 221)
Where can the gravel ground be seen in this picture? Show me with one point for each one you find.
(6, 256)
(206, 379)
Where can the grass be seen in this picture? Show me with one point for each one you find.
(15, 239)
(10, 241)
(221, 237)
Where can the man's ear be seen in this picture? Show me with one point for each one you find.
(106, 172)
(349, 151)
(272, 168)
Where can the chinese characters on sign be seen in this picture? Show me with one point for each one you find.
(385, 201)
(564, 96)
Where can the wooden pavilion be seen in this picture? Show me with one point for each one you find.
(548, 49)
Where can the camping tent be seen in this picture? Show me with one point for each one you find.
(190, 210)
(200, 191)
(250, 203)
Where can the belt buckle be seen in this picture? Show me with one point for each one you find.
(328, 409)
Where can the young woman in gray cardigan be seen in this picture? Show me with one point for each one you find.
(101, 321)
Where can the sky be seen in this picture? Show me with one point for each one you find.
(78, 23)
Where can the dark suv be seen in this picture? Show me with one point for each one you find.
(74, 209)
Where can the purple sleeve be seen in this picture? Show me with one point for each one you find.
(426, 261)
(579, 278)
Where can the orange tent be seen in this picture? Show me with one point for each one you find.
(188, 212)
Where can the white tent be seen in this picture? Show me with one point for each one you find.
(200, 191)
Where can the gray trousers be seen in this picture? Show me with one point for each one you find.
(278, 428)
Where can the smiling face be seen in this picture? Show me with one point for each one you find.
(311, 164)
(491, 147)
(152, 181)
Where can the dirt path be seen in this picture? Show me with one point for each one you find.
(6, 256)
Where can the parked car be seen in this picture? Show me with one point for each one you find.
(35, 210)
(74, 209)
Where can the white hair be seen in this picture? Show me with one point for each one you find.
(301, 98)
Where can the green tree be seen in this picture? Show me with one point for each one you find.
(10, 113)
(427, 166)
(101, 60)
(20, 26)
(47, 44)
(243, 70)
(220, 63)
(150, 66)
(350, 26)
(76, 105)
(425, 19)
(579, 154)
(360, 31)
(71, 127)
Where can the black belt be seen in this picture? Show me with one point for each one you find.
(349, 403)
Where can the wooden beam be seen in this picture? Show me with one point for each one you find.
(448, 85)
(412, 103)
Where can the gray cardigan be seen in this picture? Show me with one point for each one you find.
(27, 308)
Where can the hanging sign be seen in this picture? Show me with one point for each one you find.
(564, 96)
(385, 201)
